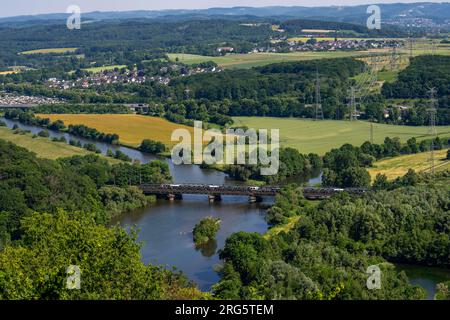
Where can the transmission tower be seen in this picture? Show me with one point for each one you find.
(410, 43)
(432, 126)
(433, 47)
(371, 131)
(318, 104)
(352, 104)
(394, 62)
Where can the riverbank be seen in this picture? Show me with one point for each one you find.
(45, 147)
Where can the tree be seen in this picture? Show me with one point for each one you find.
(381, 182)
(108, 258)
(206, 230)
(150, 146)
(43, 134)
(354, 177)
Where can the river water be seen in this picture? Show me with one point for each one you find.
(166, 227)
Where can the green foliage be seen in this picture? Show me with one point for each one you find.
(424, 72)
(443, 291)
(289, 202)
(109, 260)
(29, 184)
(119, 200)
(43, 134)
(292, 164)
(206, 230)
(150, 146)
(327, 253)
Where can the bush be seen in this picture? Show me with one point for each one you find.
(206, 230)
(150, 146)
(44, 134)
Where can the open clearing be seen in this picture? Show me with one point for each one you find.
(131, 128)
(259, 59)
(44, 147)
(104, 68)
(398, 166)
(49, 50)
(321, 136)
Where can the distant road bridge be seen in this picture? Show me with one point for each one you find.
(17, 106)
(255, 194)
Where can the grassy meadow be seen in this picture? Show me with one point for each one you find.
(419, 162)
(43, 147)
(131, 128)
(104, 68)
(249, 60)
(320, 136)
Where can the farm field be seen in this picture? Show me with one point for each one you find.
(419, 162)
(131, 128)
(104, 68)
(259, 59)
(49, 50)
(44, 147)
(321, 136)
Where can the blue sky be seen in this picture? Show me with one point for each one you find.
(25, 7)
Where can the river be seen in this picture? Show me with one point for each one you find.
(166, 227)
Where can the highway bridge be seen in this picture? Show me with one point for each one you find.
(255, 194)
(17, 106)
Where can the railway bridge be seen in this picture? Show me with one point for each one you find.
(255, 194)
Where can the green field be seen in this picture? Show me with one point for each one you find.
(419, 162)
(44, 147)
(321, 136)
(249, 60)
(49, 50)
(104, 68)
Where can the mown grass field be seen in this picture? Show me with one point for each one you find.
(321, 136)
(49, 50)
(249, 60)
(131, 128)
(398, 166)
(104, 68)
(44, 147)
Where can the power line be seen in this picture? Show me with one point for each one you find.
(432, 127)
(318, 104)
(352, 104)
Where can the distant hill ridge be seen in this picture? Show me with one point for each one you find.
(355, 14)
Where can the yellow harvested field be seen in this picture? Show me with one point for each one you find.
(49, 50)
(131, 128)
(7, 72)
(419, 162)
(318, 30)
(44, 147)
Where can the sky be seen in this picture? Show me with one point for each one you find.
(26, 7)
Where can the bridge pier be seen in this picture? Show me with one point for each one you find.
(173, 197)
(253, 199)
(214, 197)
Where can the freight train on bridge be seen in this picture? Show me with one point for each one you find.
(255, 193)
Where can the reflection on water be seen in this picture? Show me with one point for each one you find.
(426, 277)
(208, 249)
(166, 227)
(166, 230)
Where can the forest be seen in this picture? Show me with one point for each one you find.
(415, 81)
(128, 41)
(326, 254)
(56, 213)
